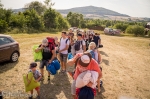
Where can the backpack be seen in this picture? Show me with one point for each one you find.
(86, 93)
(77, 45)
(37, 55)
(53, 67)
(66, 40)
(92, 53)
(51, 42)
(69, 49)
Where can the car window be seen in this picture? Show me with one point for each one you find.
(4, 40)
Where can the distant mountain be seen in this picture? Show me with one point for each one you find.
(92, 10)
(19, 10)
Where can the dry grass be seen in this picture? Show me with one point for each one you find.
(126, 69)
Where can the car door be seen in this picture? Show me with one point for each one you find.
(5, 49)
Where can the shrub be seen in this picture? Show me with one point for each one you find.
(136, 30)
(149, 33)
(3, 25)
(120, 26)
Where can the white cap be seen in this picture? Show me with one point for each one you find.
(85, 59)
(44, 41)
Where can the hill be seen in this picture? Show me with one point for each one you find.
(92, 10)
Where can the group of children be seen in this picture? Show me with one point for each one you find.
(87, 73)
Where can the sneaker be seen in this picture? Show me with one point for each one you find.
(42, 78)
(48, 78)
(63, 71)
(38, 97)
(30, 97)
(101, 83)
(70, 73)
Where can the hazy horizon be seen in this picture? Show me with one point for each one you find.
(133, 8)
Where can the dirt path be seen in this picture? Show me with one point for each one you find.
(126, 70)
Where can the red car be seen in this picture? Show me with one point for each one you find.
(9, 48)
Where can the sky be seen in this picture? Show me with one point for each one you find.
(133, 8)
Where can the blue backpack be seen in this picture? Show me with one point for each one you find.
(56, 64)
(53, 67)
(70, 56)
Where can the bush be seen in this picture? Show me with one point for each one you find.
(3, 25)
(149, 33)
(136, 30)
(120, 26)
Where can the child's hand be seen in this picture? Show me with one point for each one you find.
(89, 84)
(36, 80)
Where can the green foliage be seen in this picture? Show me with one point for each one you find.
(50, 18)
(136, 30)
(75, 19)
(149, 33)
(121, 26)
(34, 21)
(48, 3)
(17, 21)
(1, 5)
(3, 25)
(62, 23)
(37, 6)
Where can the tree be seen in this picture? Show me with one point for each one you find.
(3, 26)
(33, 20)
(62, 23)
(75, 19)
(121, 26)
(17, 20)
(136, 30)
(48, 3)
(50, 18)
(37, 6)
(1, 5)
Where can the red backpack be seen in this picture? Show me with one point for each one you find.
(51, 42)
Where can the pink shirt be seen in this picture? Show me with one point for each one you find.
(92, 66)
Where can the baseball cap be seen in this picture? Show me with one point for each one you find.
(33, 64)
(44, 41)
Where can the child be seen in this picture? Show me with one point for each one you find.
(37, 77)
(83, 62)
(97, 57)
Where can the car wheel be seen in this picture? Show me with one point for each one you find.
(14, 57)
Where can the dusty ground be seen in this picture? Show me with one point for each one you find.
(126, 70)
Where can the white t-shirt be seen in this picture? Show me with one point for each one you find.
(81, 47)
(63, 45)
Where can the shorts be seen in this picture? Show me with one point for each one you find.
(37, 88)
(73, 87)
(63, 57)
(43, 63)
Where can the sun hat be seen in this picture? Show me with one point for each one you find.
(85, 59)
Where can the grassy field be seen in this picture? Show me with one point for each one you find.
(125, 63)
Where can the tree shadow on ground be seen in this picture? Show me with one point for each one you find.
(99, 95)
(103, 53)
(105, 61)
(7, 65)
(58, 88)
